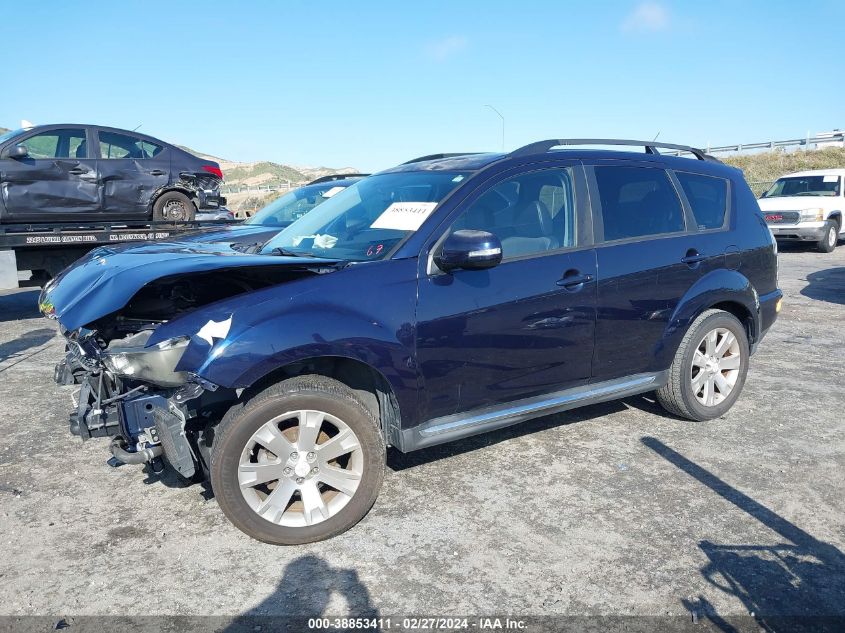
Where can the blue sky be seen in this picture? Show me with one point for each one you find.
(370, 84)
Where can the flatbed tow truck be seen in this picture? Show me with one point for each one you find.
(46, 249)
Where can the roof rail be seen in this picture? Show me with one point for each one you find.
(436, 156)
(335, 177)
(540, 147)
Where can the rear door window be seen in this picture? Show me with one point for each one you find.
(64, 143)
(637, 202)
(113, 145)
(708, 197)
(150, 149)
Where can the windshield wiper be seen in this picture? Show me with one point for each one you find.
(283, 251)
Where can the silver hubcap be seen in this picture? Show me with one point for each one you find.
(300, 468)
(831, 236)
(174, 210)
(715, 367)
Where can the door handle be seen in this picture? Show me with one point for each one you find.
(77, 171)
(157, 172)
(573, 280)
(693, 257)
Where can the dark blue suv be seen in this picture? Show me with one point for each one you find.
(427, 303)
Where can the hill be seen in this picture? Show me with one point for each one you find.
(266, 172)
(765, 167)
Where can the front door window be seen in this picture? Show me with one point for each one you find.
(531, 214)
(65, 143)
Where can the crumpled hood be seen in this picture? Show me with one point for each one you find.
(105, 279)
(798, 203)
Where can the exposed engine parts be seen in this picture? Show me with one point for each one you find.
(135, 391)
(147, 423)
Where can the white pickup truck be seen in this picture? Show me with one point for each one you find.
(807, 206)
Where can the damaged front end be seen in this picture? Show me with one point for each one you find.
(134, 395)
(141, 322)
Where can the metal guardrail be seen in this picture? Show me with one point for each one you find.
(263, 188)
(807, 141)
(833, 137)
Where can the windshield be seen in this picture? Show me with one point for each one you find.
(10, 134)
(294, 205)
(804, 186)
(366, 220)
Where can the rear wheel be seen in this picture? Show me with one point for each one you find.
(302, 461)
(830, 237)
(173, 206)
(709, 369)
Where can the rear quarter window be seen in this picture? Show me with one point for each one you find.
(708, 197)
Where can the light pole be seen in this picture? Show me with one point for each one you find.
(487, 105)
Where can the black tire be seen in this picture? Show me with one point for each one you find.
(830, 237)
(677, 395)
(173, 206)
(299, 393)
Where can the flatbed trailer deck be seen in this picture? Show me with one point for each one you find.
(46, 249)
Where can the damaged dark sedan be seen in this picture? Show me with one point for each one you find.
(69, 173)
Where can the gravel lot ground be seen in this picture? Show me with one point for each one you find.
(612, 509)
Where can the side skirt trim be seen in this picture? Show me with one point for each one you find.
(453, 427)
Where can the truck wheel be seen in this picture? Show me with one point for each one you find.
(709, 369)
(301, 461)
(173, 206)
(830, 237)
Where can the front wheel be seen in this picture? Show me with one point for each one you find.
(829, 238)
(709, 369)
(302, 461)
(174, 206)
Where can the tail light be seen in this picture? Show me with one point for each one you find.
(214, 170)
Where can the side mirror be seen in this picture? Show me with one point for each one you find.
(16, 151)
(470, 250)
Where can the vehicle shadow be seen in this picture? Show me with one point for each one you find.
(19, 305)
(15, 350)
(826, 285)
(305, 591)
(797, 585)
(401, 461)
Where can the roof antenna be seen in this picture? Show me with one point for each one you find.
(139, 125)
(655, 136)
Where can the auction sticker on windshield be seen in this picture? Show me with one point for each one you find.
(404, 216)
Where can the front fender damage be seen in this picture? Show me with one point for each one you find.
(132, 389)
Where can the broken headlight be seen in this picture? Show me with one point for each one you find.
(156, 364)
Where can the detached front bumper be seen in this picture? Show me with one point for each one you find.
(799, 232)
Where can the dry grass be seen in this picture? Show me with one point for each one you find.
(769, 166)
